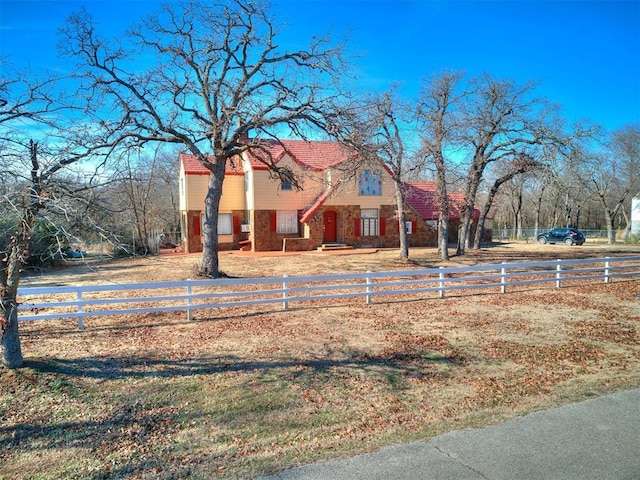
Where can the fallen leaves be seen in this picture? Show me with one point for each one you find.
(239, 392)
(548, 356)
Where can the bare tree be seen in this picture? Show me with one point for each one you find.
(625, 148)
(437, 122)
(599, 174)
(500, 119)
(133, 197)
(215, 72)
(32, 107)
(377, 132)
(514, 168)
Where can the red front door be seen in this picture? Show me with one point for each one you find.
(330, 231)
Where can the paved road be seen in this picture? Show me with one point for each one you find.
(597, 439)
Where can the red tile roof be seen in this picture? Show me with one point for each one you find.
(423, 197)
(313, 207)
(309, 155)
(193, 166)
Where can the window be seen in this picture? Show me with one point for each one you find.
(287, 222)
(408, 227)
(225, 224)
(369, 224)
(286, 179)
(369, 183)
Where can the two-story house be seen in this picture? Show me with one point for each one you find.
(335, 204)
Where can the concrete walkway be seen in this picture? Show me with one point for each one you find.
(597, 439)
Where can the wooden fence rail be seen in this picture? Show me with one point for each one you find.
(39, 303)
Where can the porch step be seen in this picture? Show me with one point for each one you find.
(327, 247)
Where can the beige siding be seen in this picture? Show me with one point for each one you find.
(195, 191)
(233, 197)
(268, 194)
(196, 187)
(348, 194)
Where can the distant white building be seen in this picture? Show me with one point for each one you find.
(635, 215)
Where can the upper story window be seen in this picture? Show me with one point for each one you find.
(287, 178)
(369, 183)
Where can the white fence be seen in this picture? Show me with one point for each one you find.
(37, 303)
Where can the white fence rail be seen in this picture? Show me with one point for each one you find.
(38, 303)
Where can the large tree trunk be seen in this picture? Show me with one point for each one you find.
(627, 227)
(402, 230)
(210, 265)
(443, 208)
(484, 213)
(443, 237)
(466, 212)
(611, 231)
(14, 256)
(610, 215)
(11, 351)
(518, 213)
(10, 278)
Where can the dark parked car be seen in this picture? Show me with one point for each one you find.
(568, 236)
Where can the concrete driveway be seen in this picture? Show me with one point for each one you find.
(598, 439)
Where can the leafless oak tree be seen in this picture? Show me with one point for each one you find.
(512, 168)
(501, 119)
(377, 133)
(437, 121)
(204, 75)
(40, 143)
(625, 148)
(600, 175)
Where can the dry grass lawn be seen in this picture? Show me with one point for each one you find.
(241, 392)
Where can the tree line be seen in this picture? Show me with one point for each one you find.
(87, 153)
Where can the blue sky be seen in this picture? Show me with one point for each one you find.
(586, 54)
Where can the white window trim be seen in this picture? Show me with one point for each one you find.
(408, 227)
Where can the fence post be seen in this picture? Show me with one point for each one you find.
(441, 277)
(80, 310)
(503, 279)
(285, 302)
(607, 266)
(558, 273)
(368, 287)
(189, 300)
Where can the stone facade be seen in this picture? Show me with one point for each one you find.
(263, 235)
(263, 232)
(193, 237)
(193, 240)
